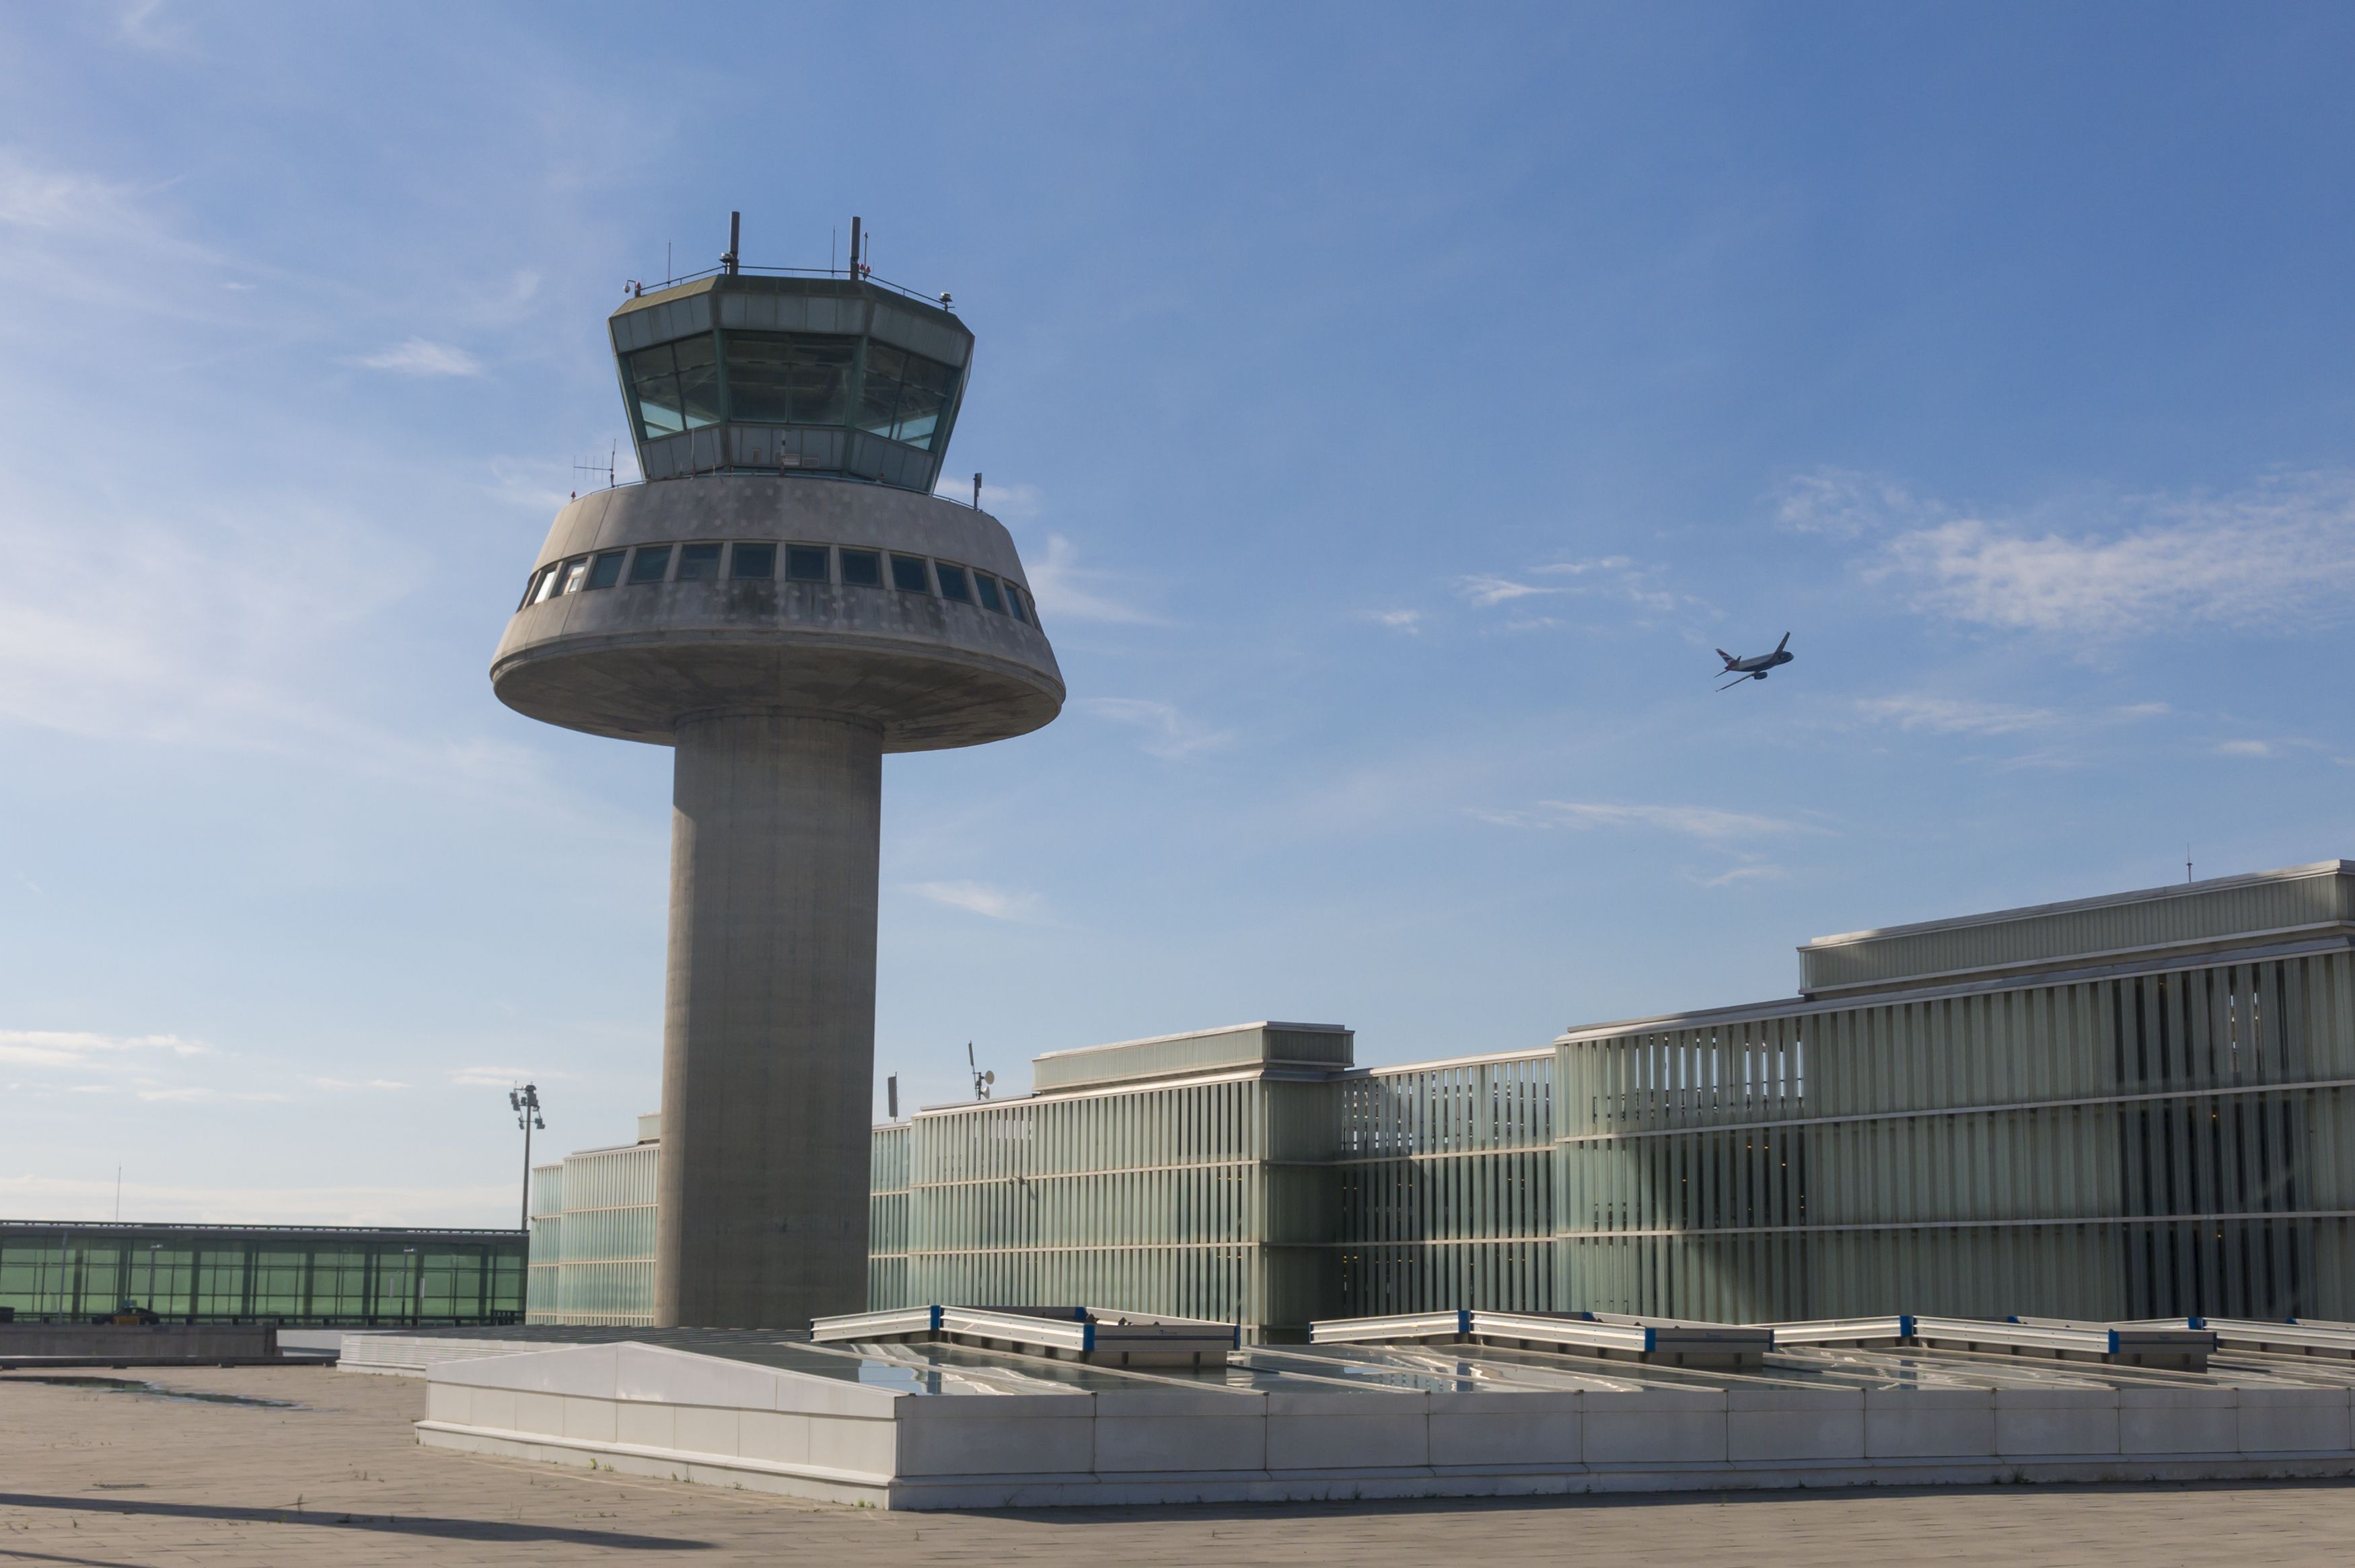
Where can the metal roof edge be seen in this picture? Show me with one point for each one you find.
(1195, 1034)
(2104, 901)
(1896, 996)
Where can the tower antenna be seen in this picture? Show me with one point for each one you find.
(735, 237)
(856, 241)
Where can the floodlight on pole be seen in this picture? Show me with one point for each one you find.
(525, 1103)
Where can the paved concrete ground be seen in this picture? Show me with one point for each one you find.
(99, 1477)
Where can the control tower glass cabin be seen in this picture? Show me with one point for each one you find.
(783, 601)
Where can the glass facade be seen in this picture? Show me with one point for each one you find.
(753, 374)
(592, 1236)
(2085, 1132)
(214, 1274)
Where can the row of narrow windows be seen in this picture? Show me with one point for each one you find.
(749, 560)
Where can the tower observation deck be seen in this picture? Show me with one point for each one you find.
(781, 600)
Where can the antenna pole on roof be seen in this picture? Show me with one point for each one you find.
(735, 236)
(854, 248)
(891, 1096)
(2187, 862)
(977, 493)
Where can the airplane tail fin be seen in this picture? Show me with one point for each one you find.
(1730, 660)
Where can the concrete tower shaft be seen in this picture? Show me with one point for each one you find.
(782, 624)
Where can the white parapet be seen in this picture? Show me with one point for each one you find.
(955, 1426)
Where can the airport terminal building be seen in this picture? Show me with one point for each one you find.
(2128, 1107)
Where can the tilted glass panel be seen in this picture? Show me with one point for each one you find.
(953, 583)
(805, 563)
(986, 586)
(925, 388)
(1014, 603)
(862, 568)
(698, 381)
(699, 563)
(575, 572)
(904, 395)
(654, 381)
(752, 561)
(879, 395)
(779, 378)
(907, 574)
(652, 563)
(607, 569)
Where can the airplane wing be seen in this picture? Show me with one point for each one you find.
(1729, 685)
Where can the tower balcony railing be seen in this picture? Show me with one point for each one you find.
(639, 289)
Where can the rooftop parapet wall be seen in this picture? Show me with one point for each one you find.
(1318, 1047)
(2270, 906)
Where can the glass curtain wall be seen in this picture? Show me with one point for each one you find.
(193, 1274)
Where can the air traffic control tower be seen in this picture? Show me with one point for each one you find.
(781, 600)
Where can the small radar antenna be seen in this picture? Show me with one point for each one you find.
(981, 1080)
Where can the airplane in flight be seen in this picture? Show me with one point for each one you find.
(1756, 666)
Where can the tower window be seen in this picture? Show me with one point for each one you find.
(752, 561)
(652, 564)
(806, 563)
(1014, 603)
(862, 568)
(607, 569)
(531, 588)
(778, 379)
(699, 563)
(574, 571)
(953, 583)
(903, 395)
(907, 574)
(676, 385)
(986, 586)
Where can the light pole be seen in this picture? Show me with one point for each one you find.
(525, 1103)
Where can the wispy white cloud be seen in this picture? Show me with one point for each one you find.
(1843, 503)
(1953, 716)
(2276, 556)
(1067, 590)
(979, 898)
(2246, 748)
(1406, 620)
(1006, 502)
(1625, 580)
(78, 1048)
(1756, 871)
(77, 1198)
(496, 1078)
(1168, 732)
(1484, 591)
(418, 357)
(1694, 821)
(352, 1086)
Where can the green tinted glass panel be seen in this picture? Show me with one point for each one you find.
(698, 381)
(953, 583)
(878, 396)
(653, 380)
(907, 574)
(607, 569)
(862, 568)
(779, 378)
(652, 562)
(699, 563)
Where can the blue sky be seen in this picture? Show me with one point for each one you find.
(1394, 407)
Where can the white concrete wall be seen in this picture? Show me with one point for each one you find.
(667, 1413)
